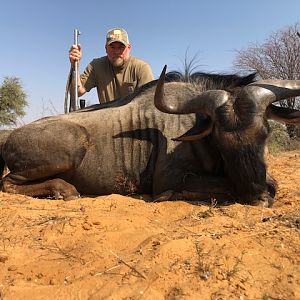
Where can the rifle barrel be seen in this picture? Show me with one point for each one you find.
(76, 34)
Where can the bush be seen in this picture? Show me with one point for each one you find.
(279, 139)
(12, 101)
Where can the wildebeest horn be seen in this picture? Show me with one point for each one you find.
(205, 103)
(286, 115)
(265, 92)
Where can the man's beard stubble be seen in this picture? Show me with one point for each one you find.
(118, 62)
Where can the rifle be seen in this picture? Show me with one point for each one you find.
(72, 83)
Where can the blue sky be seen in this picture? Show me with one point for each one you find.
(36, 35)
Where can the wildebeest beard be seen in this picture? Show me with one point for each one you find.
(246, 170)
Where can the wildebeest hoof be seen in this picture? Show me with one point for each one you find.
(57, 195)
(264, 201)
(71, 197)
(165, 196)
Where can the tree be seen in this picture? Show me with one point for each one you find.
(277, 58)
(12, 101)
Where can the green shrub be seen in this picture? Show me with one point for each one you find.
(279, 139)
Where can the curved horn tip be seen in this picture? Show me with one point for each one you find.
(163, 72)
(159, 91)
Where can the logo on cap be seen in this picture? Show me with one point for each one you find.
(117, 35)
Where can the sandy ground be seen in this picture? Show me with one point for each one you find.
(116, 247)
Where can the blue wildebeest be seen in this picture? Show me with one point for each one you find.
(175, 140)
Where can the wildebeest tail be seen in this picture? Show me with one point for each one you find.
(2, 167)
(3, 138)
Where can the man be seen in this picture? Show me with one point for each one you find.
(115, 75)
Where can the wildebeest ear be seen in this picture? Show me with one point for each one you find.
(199, 131)
(283, 114)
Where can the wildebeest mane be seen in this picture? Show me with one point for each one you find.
(210, 81)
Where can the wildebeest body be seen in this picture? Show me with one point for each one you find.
(127, 146)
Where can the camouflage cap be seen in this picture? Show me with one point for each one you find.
(117, 35)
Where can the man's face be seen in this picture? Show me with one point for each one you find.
(117, 53)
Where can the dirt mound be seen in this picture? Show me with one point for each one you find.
(116, 247)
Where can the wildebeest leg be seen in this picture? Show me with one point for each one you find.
(197, 188)
(219, 188)
(42, 160)
(204, 188)
(54, 187)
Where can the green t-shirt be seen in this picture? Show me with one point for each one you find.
(113, 83)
